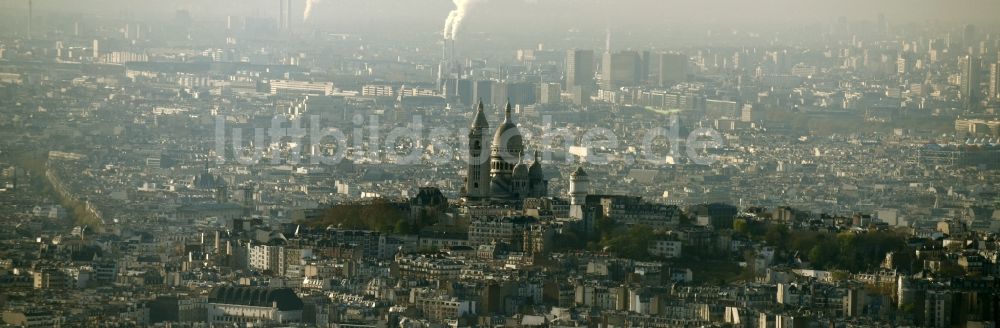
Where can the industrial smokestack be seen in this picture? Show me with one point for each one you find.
(444, 50)
(451, 54)
(442, 72)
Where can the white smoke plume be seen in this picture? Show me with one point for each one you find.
(455, 17)
(309, 8)
(447, 24)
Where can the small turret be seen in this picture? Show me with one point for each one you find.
(506, 113)
(520, 169)
(537, 184)
(535, 171)
(480, 121)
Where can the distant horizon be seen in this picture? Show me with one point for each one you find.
(492, 14)
(529, 23)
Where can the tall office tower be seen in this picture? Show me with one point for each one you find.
(580, 75)
(551, 93)
(97, 49)
(579, 187)
(969, 37)
(970, 81)
(673, 69)
(883, 24)
(522, 93)
(995, 81)
(30, 13)
(290, 18)
(466, 90)
(281, 14)
(284, 14)
(620, 69)
(499, 93)
(645, 63)
(484, 91)
(579, 68)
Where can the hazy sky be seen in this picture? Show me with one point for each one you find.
(726, 9)
(562, 13)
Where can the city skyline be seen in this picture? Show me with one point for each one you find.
(499, 164)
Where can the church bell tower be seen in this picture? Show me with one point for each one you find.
(477, 180)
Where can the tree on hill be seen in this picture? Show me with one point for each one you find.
(633, 244)
(378, 215)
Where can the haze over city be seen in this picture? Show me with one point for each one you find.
(499, 163)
